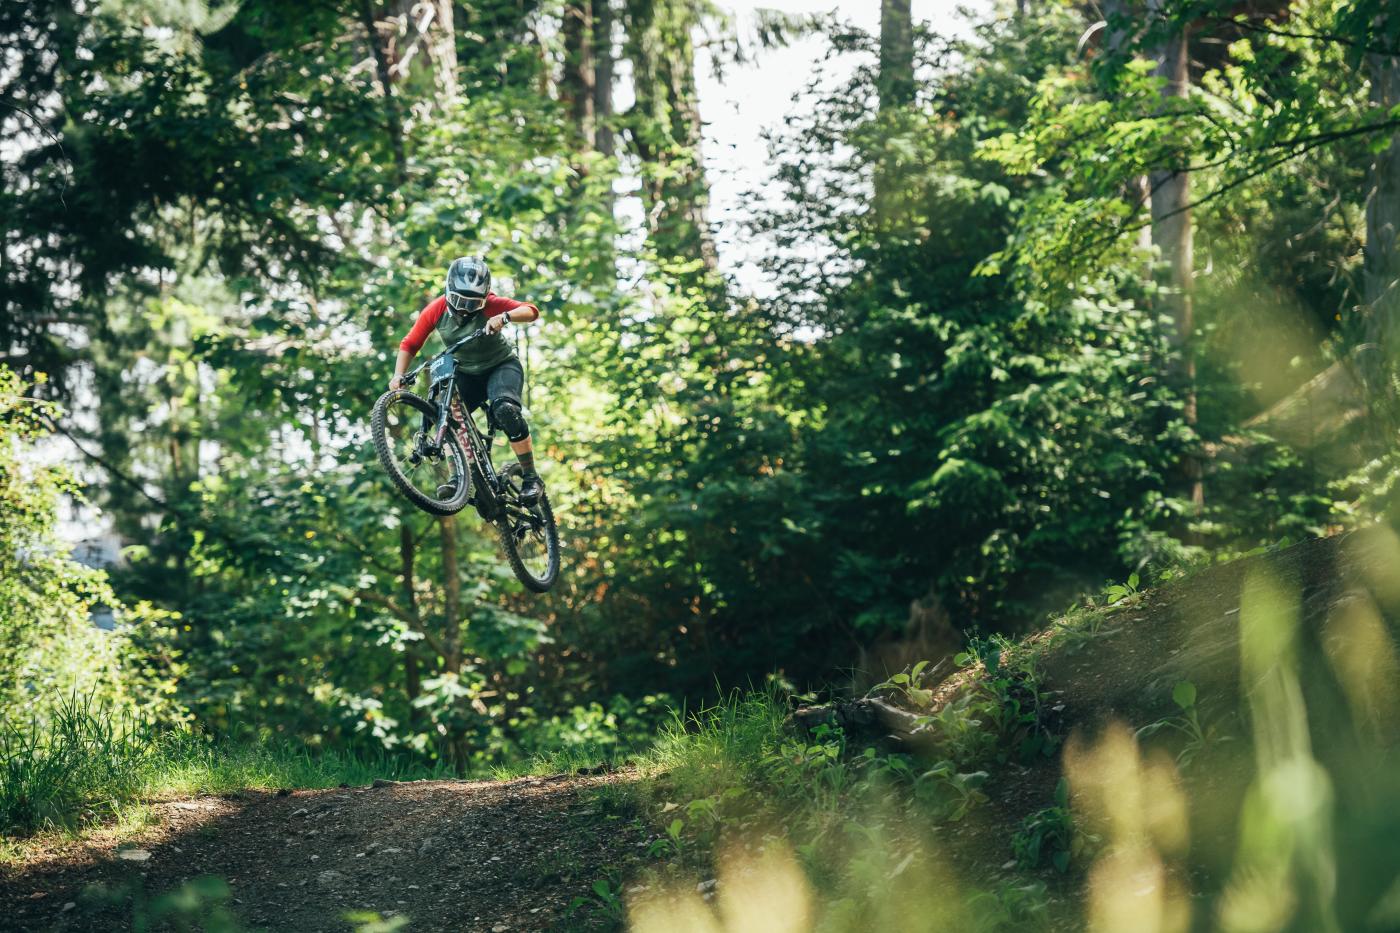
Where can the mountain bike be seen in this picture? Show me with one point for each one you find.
(440, 459)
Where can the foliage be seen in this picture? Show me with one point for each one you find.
(49, 643)
(1314, 766)
(605, 900)
(856, 817)
(1196, 737)
(201, 903)
(1051, 834)
(962, 411)
(88, 762)
(958, 393)
(70, 770)
(958, 403)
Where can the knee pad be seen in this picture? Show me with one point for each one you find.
(508, 415)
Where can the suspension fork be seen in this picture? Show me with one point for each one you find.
(452, 407)
(439, 430)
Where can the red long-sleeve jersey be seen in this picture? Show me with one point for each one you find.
(432, 313)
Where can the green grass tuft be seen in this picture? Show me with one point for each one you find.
(85, 765)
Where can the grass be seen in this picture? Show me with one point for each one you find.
(571, 759)
(1154, 823)
(840, 833)
(199, 766)
(86, 766)
(720, 746)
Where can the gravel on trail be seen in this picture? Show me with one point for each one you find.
(444, 855)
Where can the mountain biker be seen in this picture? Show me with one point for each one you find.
(488, 371)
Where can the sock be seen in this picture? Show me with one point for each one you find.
(527, 462)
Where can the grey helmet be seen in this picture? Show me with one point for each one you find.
(468, 282)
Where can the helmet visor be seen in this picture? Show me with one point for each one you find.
(459, 302)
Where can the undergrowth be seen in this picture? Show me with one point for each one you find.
(84, 766)
(866, 824)
(869, 824)
(1157, 820)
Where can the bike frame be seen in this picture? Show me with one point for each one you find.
(443, 393)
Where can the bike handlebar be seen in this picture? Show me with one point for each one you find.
(411, 376)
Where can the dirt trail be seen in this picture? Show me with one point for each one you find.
(446, 855)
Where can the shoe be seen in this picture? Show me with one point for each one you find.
(531, 488)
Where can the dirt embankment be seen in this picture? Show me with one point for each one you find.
(445, 855)
(1335, 625)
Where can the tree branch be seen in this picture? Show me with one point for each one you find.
(1215, 193)
(1314, 36)
(403, 615)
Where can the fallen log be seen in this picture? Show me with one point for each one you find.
(868, 717)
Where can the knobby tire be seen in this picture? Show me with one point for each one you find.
(379, 433)
(505, 531)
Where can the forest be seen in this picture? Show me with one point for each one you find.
(1021, 555)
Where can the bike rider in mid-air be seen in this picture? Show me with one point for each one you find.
(488, 371)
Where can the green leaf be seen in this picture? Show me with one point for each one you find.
(1184, 694)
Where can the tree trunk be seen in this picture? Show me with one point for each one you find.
(457, 751)
(452, 596)
(579, 83)
(896, 78)
(412, 680)
(392, 124)
(666, 130)
(586, 88)
(870, 719)
(410, 28)
(1172, 235)
(1381, 267)
(895, 88)
(603, 75)
(442, 48)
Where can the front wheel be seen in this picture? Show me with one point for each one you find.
(433, 477)
(528, 535)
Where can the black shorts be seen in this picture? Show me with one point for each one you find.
(505, 380)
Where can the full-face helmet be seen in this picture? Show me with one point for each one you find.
(468, 282)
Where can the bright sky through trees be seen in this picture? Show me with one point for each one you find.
(754, 97)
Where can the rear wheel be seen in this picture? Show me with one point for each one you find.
(528, 535)
(433, 477)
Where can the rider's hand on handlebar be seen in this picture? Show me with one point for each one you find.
(396, 382)
(495, 323)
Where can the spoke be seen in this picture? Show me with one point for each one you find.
(424, 472)
(532, 547)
